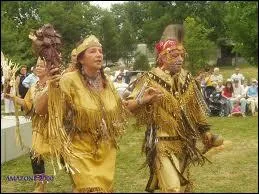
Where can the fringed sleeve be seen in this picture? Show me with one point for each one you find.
(201, 108)
(142, 113)
(121, 114)
(59, 140)
(28, 102)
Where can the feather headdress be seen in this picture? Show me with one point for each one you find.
(171, 37)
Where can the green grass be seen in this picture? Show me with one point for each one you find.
(235, 169)
(247, 70)
(232, 170)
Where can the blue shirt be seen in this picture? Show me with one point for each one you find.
(29, 80)
(252, 91)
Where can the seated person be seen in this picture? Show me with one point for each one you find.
(227, 95)
(207, 78)
(216, 76)
(252, 96)
(236, 111)
(220, 86)
(238, 95)
(246, 86)
(215, 93)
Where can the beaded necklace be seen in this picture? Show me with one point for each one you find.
(40, 86)
(94, 83)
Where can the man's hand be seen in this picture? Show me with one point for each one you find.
(151, 95)
(211, 140)
(207, 139)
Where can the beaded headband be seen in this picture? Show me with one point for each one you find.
(89, 41)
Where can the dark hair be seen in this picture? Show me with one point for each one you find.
(23, 66)
(79, 67)
(231, 87)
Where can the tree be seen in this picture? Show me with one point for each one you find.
(76, 23)
(197, 44)
(242, 21)
(109, 38)
(126, 24)
(17, 20)
(127, 41)
(141, 62)
(158, 18)
(133, 12)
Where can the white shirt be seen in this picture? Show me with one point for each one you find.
(111, 77)
(238, 76)
(238, 92)
(120, 87)
(216, 78)
(29, 80)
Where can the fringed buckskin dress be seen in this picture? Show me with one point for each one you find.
(94, 121)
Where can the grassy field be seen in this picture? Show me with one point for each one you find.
(247, 70)
(235, 169)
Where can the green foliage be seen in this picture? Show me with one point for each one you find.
(212, 16)
(17, 20)
(197, 44)
(242, 22)
(70, 19)
(109, 37)
(127, 41)
(141, 62)
(76, 25)
(128, 24)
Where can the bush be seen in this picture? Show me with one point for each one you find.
(197, 44)
(141, 62)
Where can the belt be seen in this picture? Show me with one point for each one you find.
(167, 138)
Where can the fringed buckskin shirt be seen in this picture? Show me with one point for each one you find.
(174, 124)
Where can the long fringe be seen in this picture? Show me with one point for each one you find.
(95, 124)
(93, 190)
(172, 116)
(18, 137)
(58, 139)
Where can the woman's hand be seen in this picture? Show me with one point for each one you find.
(53, 77)
(151, 95)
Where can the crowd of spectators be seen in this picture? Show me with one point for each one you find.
(239, 95)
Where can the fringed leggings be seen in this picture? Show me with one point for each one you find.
(38, 165)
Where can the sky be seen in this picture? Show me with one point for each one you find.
(105, 4)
